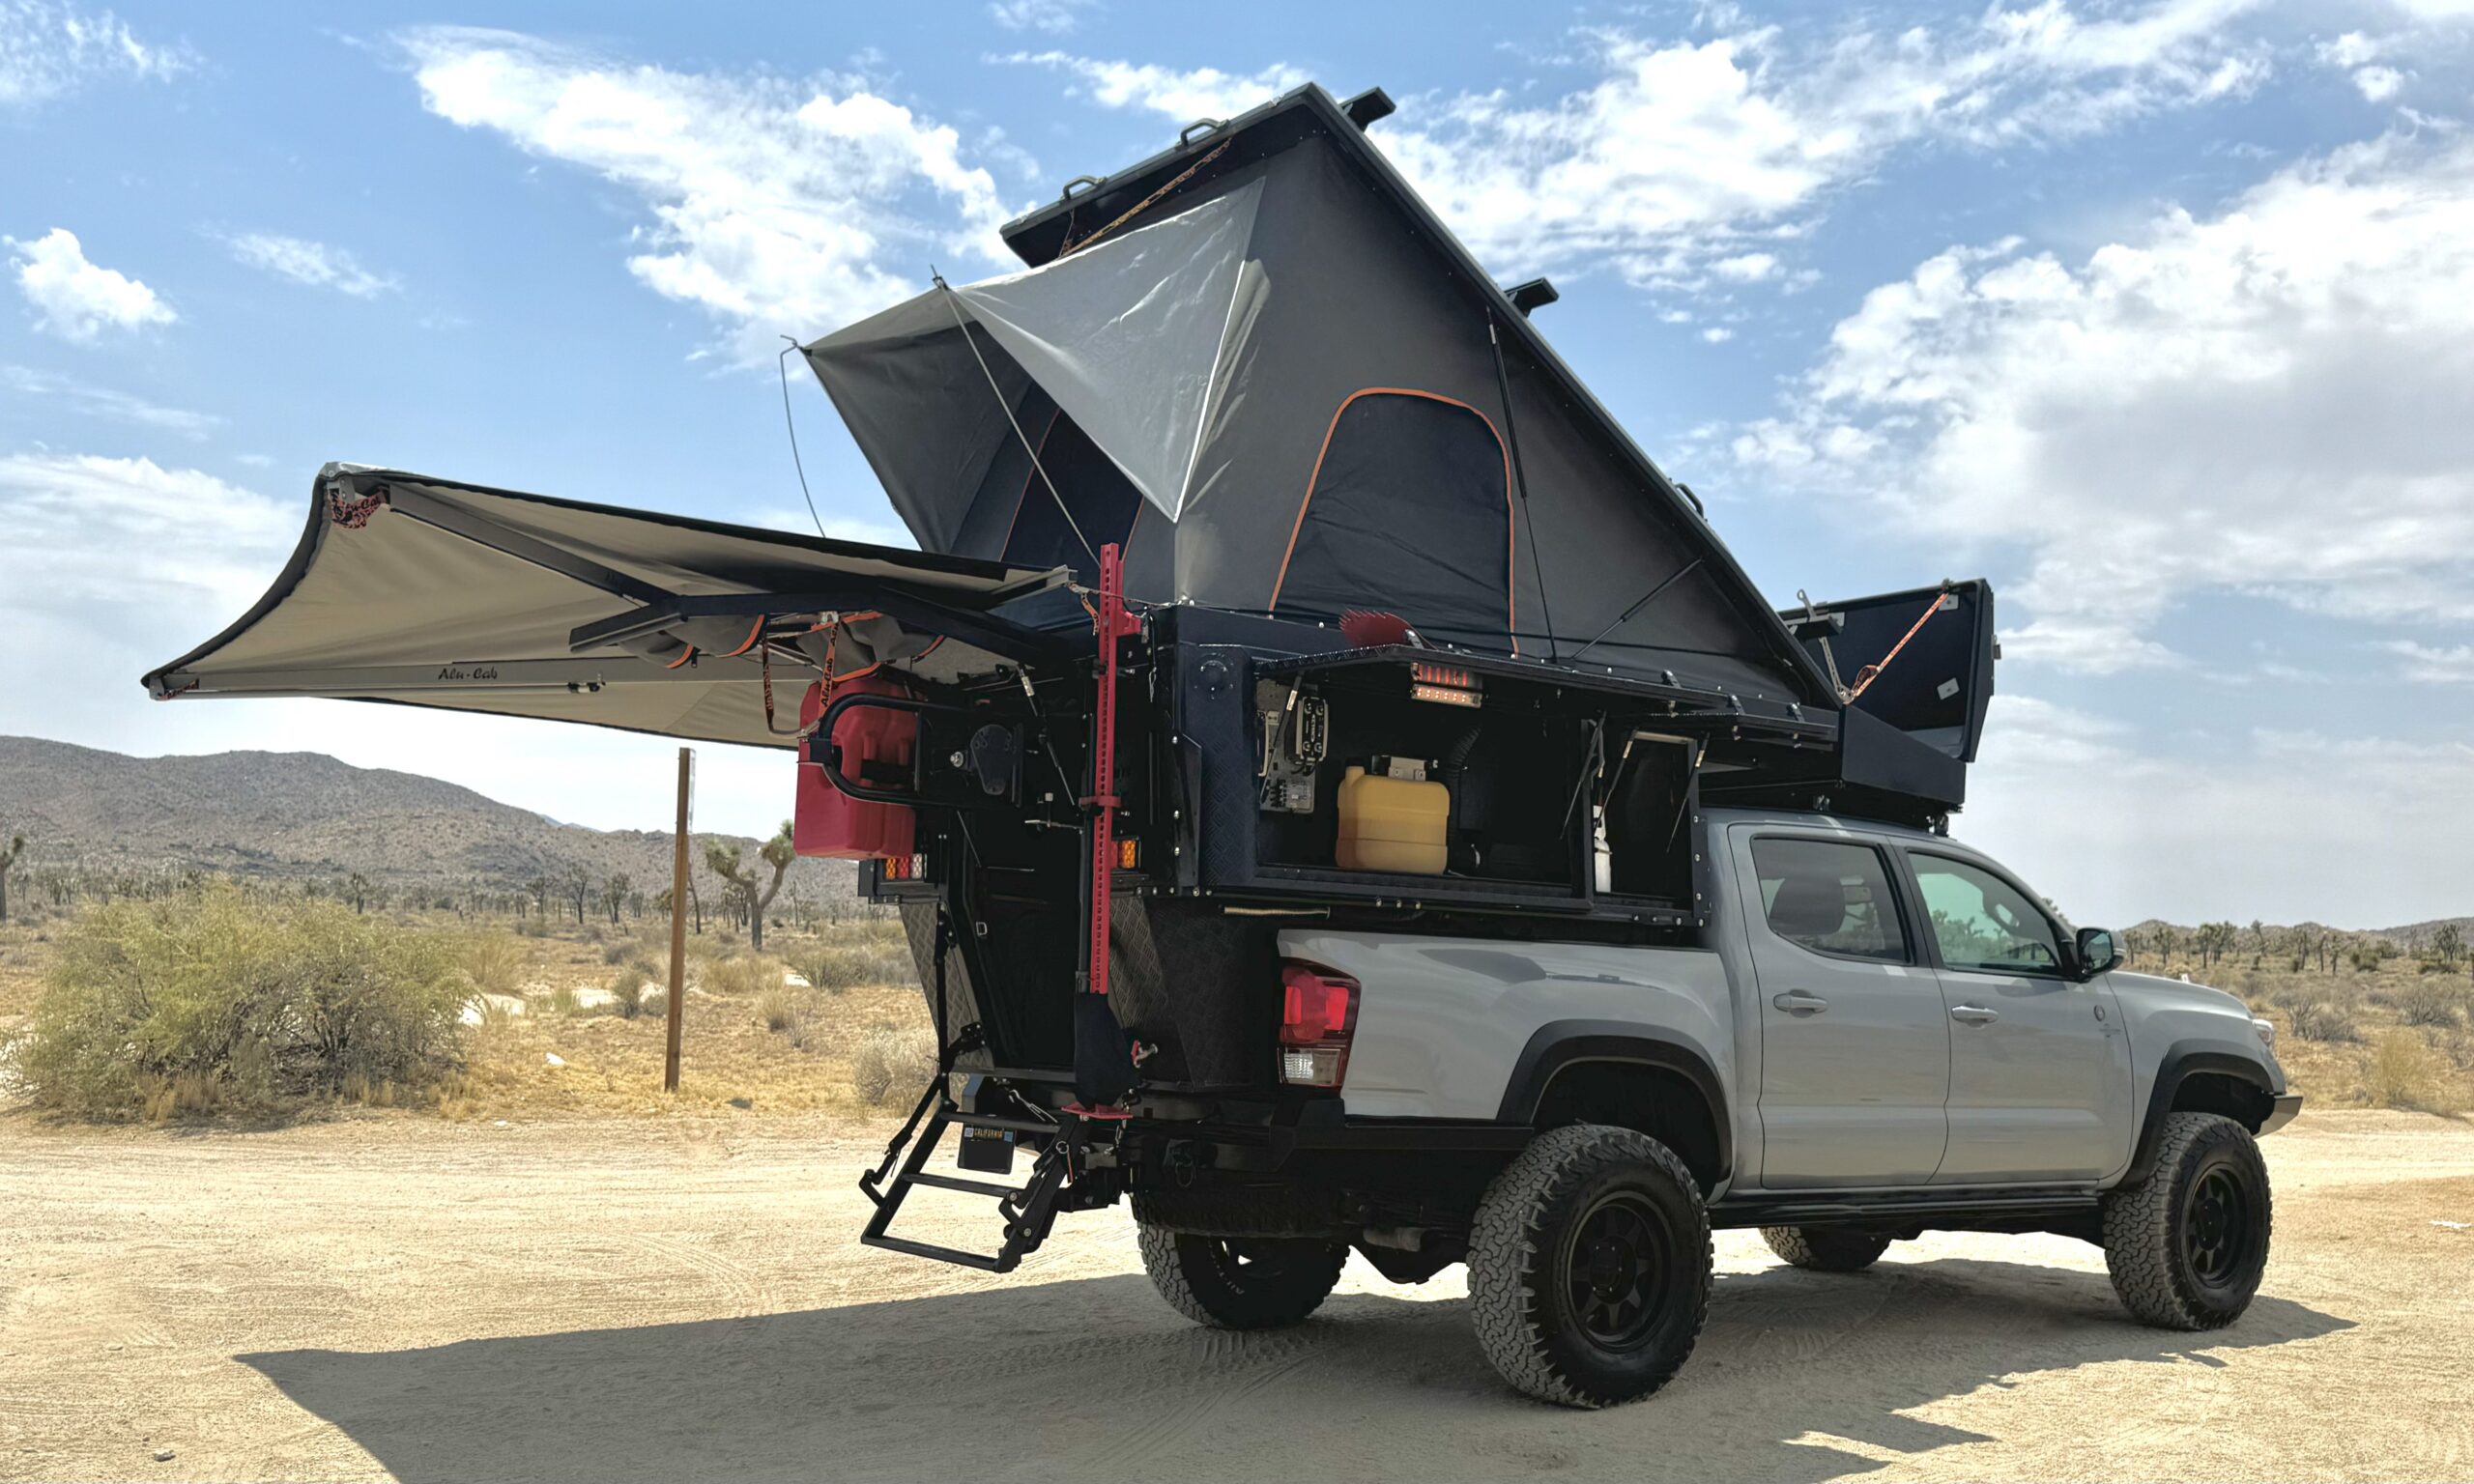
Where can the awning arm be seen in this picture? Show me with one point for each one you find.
(574, 676)
(482, 531)
(910, 610)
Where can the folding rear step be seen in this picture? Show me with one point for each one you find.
(1029, 1209)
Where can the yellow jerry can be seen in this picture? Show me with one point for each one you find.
(1394, 824)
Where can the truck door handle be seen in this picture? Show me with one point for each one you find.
(1973, 1014)
(1800, 1002)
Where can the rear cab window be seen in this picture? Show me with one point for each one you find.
(1830, 897)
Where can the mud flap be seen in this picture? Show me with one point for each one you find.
(1104, 1069)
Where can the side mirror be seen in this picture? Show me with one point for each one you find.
(2097, 952)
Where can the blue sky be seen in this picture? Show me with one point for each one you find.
(2155, 313)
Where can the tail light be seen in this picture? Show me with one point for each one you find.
(1318, 1014)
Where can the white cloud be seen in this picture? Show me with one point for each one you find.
(74, 298)
(314, 264)
(48, 50)
(2219, 403)
(104, 402)
(1717, 335)
(1052, 15)
(1679, 152)
(2355, 53)
(775, 207)
(2378, 84)
(2450, 665)
(127, 563)
(2252, 829)
(132, 534)
(1747, 267)
(1182, 96)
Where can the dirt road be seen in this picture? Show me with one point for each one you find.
(600, 1300)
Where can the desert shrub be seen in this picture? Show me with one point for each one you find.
(495, 962)
(206, 1001)
(780, 1007)
(2431, 1005)
(563, 1002)
(627, 991)
(656, 1005)
(833, 967)
(617, 952)
(743, 975)
(2404, 1072)
(2320, 1021)
(893, 1064)
(839, 966)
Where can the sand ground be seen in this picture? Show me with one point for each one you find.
(679, 1299)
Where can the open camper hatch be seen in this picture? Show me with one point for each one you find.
(1272, 569)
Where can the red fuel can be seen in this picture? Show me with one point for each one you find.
(828, 822)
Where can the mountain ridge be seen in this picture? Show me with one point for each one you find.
(307, 815)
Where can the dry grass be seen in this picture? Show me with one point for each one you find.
(2313, 1021)
(2405, 1073)
(496, 962)
(740, 977)
(627, 991)
(2388, 1036)
(893, 1064)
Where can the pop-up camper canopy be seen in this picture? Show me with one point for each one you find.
(429, 592)
(1261, 364)
(1258, 364)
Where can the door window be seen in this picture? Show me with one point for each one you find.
(1982, 922)
(1830, 897)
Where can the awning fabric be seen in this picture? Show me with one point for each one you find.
(1123, 337)
(427, 592)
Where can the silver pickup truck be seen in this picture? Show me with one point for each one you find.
(1882, 1032)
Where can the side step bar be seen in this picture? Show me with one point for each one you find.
(1029, 1209)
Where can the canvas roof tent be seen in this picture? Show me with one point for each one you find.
(1256, 360)
(431, 592)
(1276, 383)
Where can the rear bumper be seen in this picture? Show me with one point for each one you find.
(2281, 1112)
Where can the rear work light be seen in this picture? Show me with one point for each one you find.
(1318, 1014)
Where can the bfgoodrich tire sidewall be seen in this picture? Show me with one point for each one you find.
(2223, 1302)
(1679, 1303)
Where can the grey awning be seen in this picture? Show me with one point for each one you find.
(430, 592)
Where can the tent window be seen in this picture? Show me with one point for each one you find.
(1104, 501)
(1409, 511)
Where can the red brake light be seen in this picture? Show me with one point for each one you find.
(1318, 1014)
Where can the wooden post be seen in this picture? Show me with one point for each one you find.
(677, 1005)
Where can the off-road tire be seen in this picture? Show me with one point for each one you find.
(1571, 1345)
(1240, 1283)
(2187, 1244)
(1825, 1249)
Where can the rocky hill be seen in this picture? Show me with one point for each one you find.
(307, 816)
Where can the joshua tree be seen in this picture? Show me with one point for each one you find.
(725, 858)
(575, 884)
(8, 862)
(357, 890)
(613, 894)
